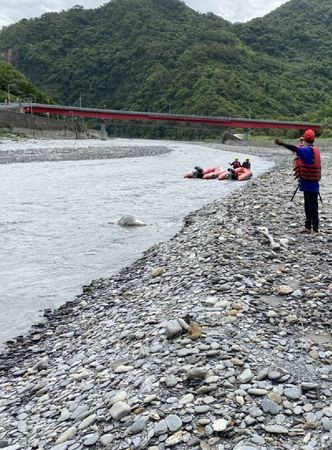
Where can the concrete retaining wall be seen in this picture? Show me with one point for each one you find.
(37, 126)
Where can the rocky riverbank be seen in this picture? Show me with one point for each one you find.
(218, 339)
(90, 150)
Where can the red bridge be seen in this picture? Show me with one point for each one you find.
(106, 114)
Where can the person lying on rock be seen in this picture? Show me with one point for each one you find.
(198, 172)
(231, 174)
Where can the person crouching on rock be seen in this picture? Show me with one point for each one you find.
(246, 164)
(235, 164)
(307, 170)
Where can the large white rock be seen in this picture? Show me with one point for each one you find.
(119, 410)
(130, 221)
(220, 425)
(173, 329)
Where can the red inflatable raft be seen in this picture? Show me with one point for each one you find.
(213, 174)
(243, 174)
(201, 173)
(240, 174)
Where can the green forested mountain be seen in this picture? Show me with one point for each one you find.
(14, 86)
(153, 55)
(298, 31)
(299, 35)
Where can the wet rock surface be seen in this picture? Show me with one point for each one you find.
(218, 339)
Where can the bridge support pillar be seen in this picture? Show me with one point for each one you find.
(103, 132)
(246, 136)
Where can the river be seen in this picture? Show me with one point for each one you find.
(58, 220)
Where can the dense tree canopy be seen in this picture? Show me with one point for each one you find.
(152, 55)
(14, 86)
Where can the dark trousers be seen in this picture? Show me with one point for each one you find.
(311, 210)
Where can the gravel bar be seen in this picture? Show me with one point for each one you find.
(69, 153)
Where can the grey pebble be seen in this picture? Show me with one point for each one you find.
(174, 423)
(160, 427)
(269, 406)
(293, 393)
(327, 424)
(91, 439)
(137, 426)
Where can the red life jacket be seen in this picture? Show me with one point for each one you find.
(310, 172)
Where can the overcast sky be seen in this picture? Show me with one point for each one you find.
(12, 11)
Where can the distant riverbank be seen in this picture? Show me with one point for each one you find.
(32, 150)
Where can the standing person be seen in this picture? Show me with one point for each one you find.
(307, 170)
(235, 164)
(246, 164)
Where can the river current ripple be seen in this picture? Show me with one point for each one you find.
(58, 220)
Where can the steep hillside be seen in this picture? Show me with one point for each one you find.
(299, 35)
(299, 31)
(14, 86)
(162, 56)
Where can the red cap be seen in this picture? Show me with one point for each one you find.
(309, 136)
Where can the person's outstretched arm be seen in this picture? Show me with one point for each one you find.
(291, 147)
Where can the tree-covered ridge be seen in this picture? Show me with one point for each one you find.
(152, 55)
(299, 31)
(14, 86)
(299, 34)
(114, 55)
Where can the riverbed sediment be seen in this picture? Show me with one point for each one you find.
(90, 150)
(217, 339)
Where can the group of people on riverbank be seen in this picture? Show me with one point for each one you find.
(238, 171)
(236, 163)
(307, 170)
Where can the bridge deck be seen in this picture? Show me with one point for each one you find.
(105, 114)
